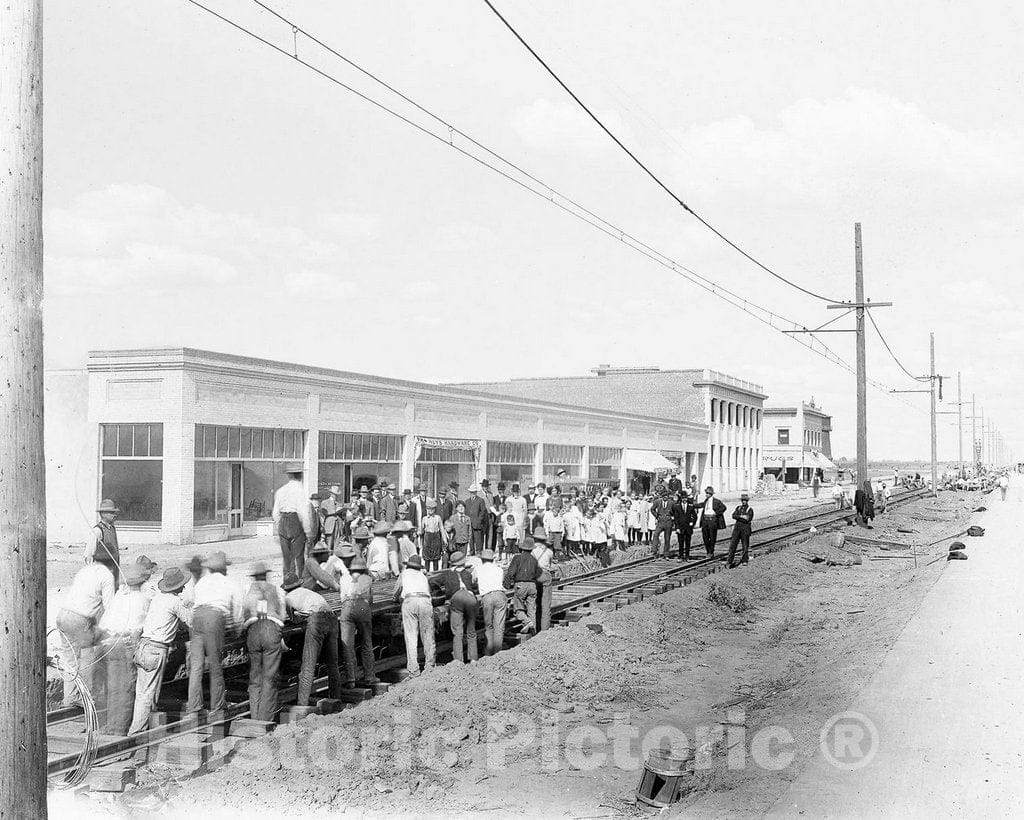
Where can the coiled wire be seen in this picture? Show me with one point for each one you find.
(87, 757)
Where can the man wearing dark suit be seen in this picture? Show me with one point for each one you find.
(686, 518)
(446, 502)
(665, 513)
(387, 507)
(476, 509)
(496, 522)
(743, 515)
(712, 518)
(675, 485)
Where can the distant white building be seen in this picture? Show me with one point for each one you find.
(797, 441)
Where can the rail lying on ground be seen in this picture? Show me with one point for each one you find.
(605, 588)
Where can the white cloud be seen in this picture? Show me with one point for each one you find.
(564, 128)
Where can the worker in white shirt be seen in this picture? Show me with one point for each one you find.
(493, 600)
(321, 638)
(217, 608)
(120, 630)
(517, 505)
(293, 521)
(91, 593)
(543, 553)
(554, 525)
(413, 591)
(263, 615)
(166, 611)
(149, 585)
(377, 552)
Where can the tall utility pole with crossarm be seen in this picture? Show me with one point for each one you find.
(22, 467)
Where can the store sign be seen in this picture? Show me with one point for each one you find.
(449, 443)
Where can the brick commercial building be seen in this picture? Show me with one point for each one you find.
(730, 408)
(191, 444)
(797, 441)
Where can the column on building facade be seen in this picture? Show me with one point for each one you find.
(408, 471)
(311, 459)
(481, 464)
(538, 454)
(179, 478)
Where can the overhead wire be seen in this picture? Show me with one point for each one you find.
(679, 201)
(895, 358)
(768, 317)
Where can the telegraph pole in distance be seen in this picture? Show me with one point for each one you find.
(960, 419)
(935, 446)
(22, 464)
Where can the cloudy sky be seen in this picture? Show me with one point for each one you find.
(203, 190)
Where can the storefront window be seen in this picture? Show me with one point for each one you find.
(132, 470)
(244, 443)
(211, 498)
(605, 463)
(562, 458)
(351, 460)
(510, 462)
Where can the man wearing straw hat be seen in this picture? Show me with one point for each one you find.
(263, 614)
(166, 612)
(218, 607)
(293, 521)
(103, 548)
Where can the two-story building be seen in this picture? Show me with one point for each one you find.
(730, 408)
(797, 442)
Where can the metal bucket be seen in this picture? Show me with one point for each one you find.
(662, 779)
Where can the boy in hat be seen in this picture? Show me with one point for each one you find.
(120, 629)
(91, 593)
(510, 536)
(461, 529)
(543, 553)
(406, 546)
(217, 607)
(521, 577)
(293, 520)
(413, 591)
(377, 553)
(743, 515)
(102, 547)
(493, 600)
(263, 614)
(458, 587)
(356, 622)
(321, 638)
(435, 537)
(166, 612)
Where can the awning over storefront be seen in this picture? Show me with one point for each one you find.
(650, 461)
(817, 459)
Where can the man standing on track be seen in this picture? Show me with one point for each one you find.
(413, 591)
(476, 508)
(217, 608)
(293, 521)
(664, 512)
(263, 614)
(458, 587)
(686, 518)
(493, 601)
(712, 518)
(743, 515)
(321, 638)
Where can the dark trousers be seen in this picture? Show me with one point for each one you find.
(544, 600)
(263, 640)
(321, 637)
(355, 620)
(206, 645)
(739, 535)
(709, 532)
(462, 611)
(293, 543)
(477, 544)
(118, 660)
(663, 527)
(685, 535)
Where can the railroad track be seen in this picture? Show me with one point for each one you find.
(572, 599)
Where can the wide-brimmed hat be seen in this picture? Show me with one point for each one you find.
(414, 562)
(345, 549)
(401, 525)
(334, 489)
(474, 488)
(195, 564)
(320, 547)
(358, 565)
(431, 504)
(407, 491)
(317, 497)
(540, 534)
(146, 562)
(485, 483)
(107, 506)
(294, 467)
(527, 544)
(744, 496)
(453, 485)
(361, 534)
(364, 489)
(291, 582)
(456, 558)
(381, 528)
(259, 568)
(173, 580)
(487, 555)
(134, 574)
(217, 561)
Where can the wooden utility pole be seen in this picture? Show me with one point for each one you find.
(862, 375)
(934, 383)
(960, 419)
(974, 432)
(22, 465)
